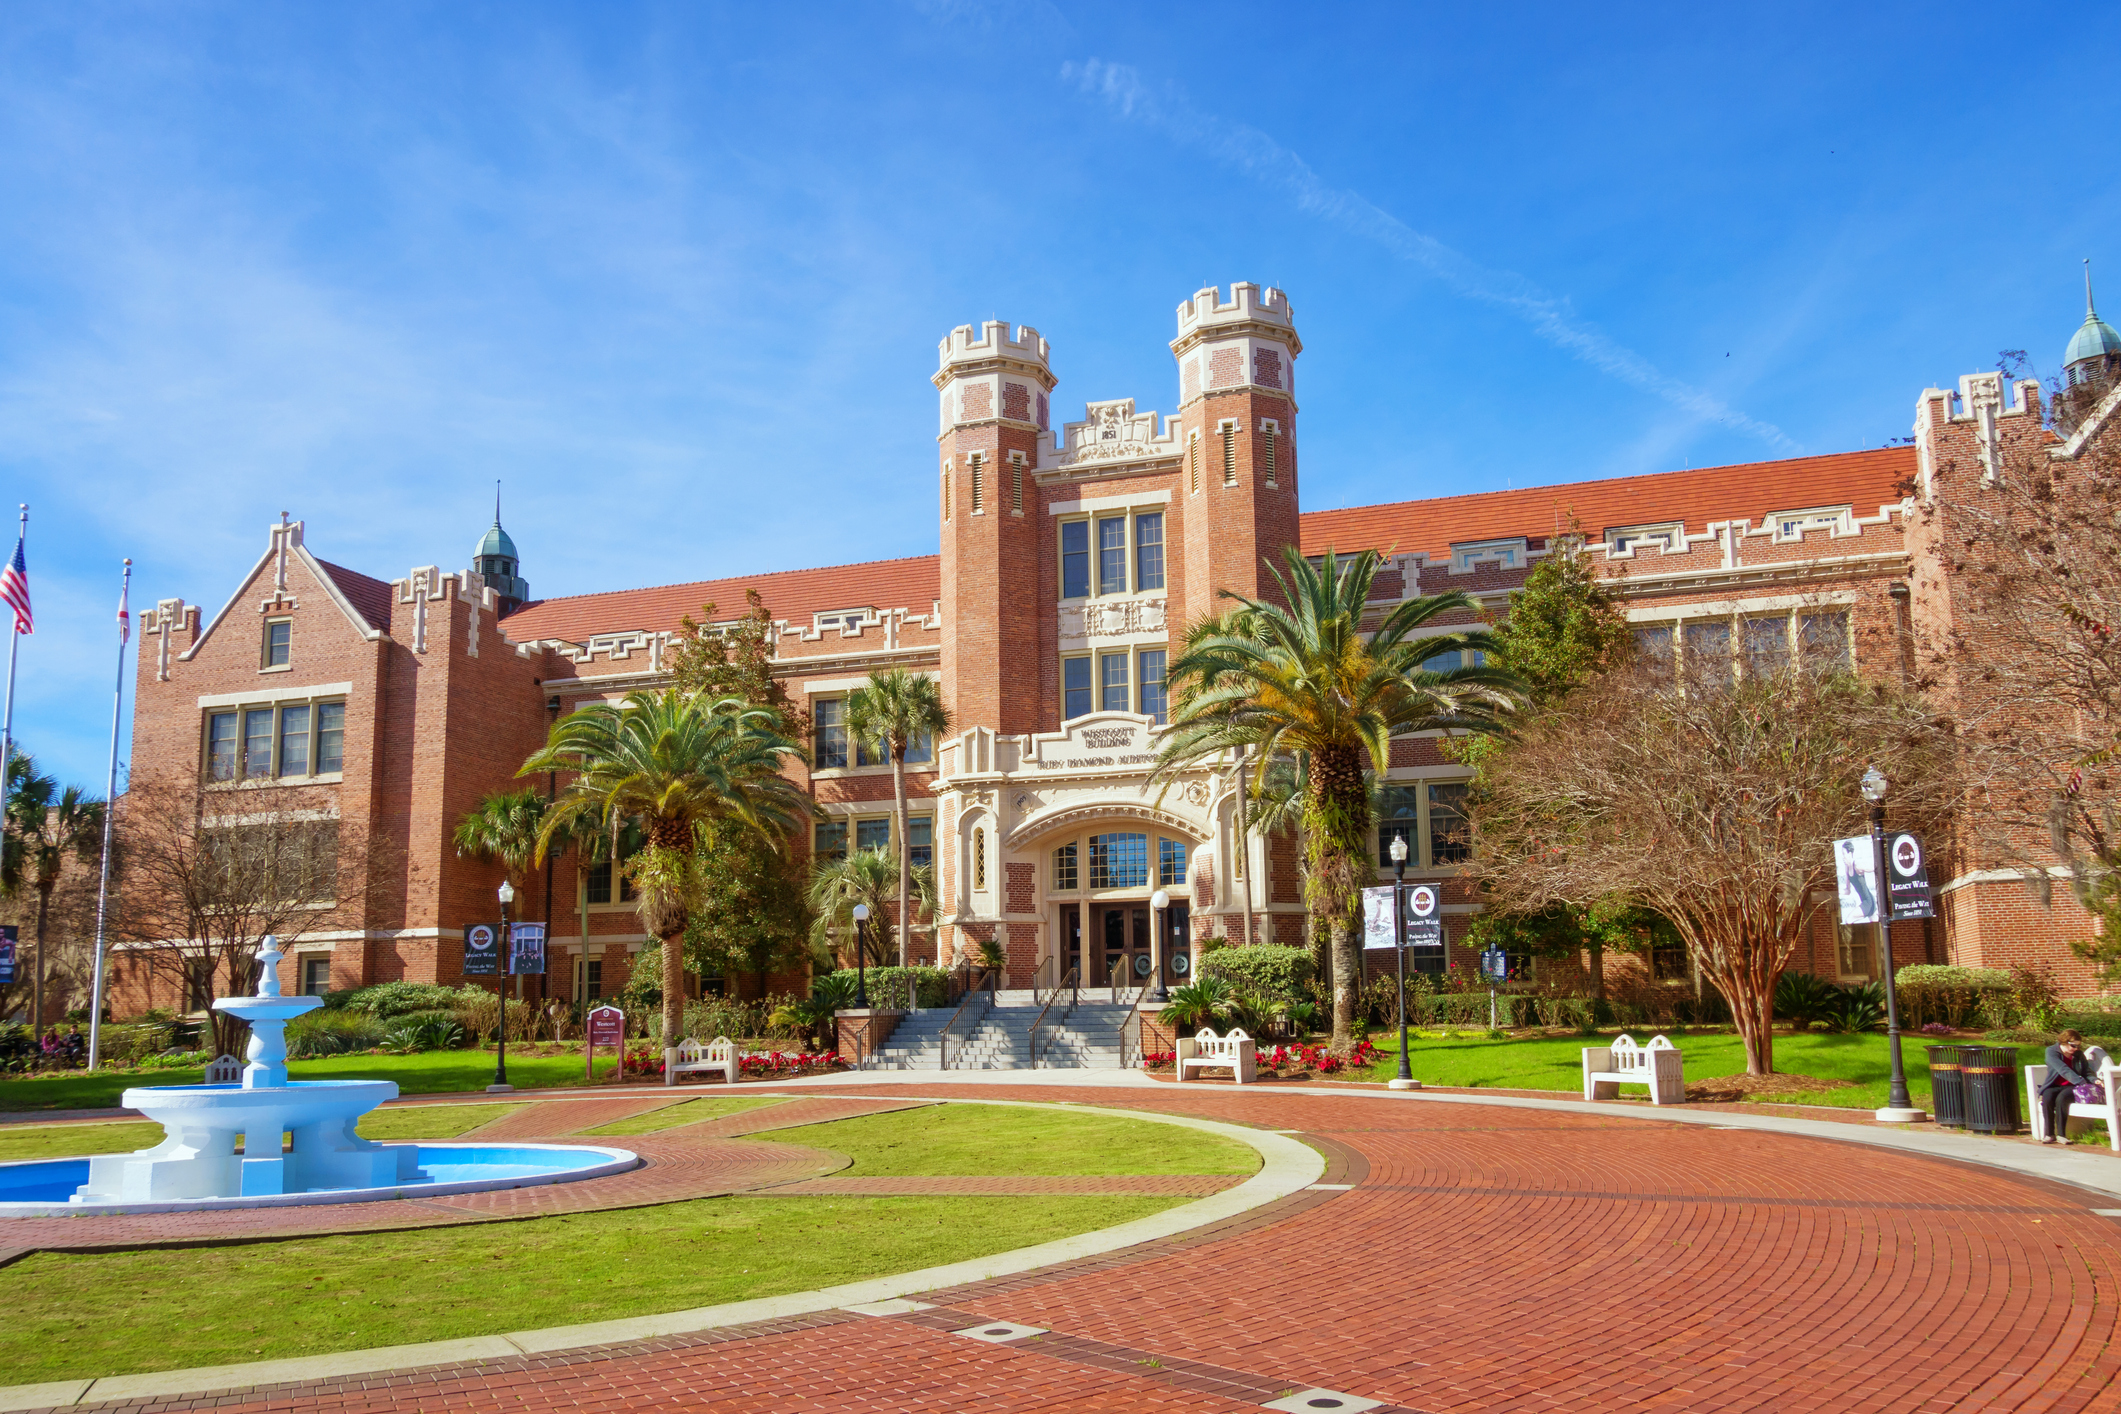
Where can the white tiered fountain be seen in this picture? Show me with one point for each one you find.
(197, 1158)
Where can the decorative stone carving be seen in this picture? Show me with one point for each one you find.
(1112, 618)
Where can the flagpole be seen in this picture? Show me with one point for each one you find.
(110, 809)
(7, 722)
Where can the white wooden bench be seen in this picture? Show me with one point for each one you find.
(1657, 1065)
(225, 1070)
(719, 1054)
(2079, 1114)
(1204, 1049)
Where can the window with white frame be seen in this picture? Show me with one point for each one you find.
(278, 647)
(1118, 859)
(285, 741)
(1106, 682)
(834, 746)
(831, 837)
(1117, 552)
(1752, 643)
(1431, 817)
(1791, 525)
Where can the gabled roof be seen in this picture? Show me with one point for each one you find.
(369, 597)
(1752, 491)
(793, 595)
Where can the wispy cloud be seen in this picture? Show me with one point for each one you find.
(1121, 88)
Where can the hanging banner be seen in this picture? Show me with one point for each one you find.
(526, 950)
(1907, 883)
(1424, 916)
(7, 953)
(1377, 917)
(482, 952)
(1856, 879)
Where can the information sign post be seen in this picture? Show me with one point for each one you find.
(605, 1026)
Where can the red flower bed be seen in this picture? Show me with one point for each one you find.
(648, 1064)
(1294, 1059)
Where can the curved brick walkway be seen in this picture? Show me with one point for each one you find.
(1477, 1259)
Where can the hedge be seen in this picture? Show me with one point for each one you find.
(887, 986)
(1261, 969)
(1955, 996)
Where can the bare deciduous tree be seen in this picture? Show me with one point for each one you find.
(1714, 804)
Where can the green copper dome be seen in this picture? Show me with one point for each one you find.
(496, 541)
(2095, 338)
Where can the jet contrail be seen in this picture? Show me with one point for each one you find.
(1121, 88)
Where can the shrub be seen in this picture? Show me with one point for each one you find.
(1953, 996)
(2033, 993)
(424, 1031)
(1856, 1009)
(478, 1012)
(1801, 999)
(395, 999)
(1466, 1009)
(329, 1032)
(710, 1017)
(133, 1042)
(1264, 969)
(1209, 1002)
(887, 986)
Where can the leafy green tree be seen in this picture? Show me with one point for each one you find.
(503, 829)
(45, 826)
(752, 914)
(892, 711)
(1311, 680)
(675, 765)
(867, 876)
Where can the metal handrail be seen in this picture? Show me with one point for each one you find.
(1065, 986)
(971, 993)
(1131, 1025)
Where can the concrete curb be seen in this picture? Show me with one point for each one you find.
(1286, 1167)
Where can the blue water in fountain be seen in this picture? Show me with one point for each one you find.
(54, 1180)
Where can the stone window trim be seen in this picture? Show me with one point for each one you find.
(858, 817)
(1429, 799)
(835, 690)
(230, 721)
(1738, 630)
(1111, 679)
(1839, 522)
(1270, 432)
(1193, 463)
(1016, 483)
(276, 645)
(977, 466)
(1086, 546)
(1071, 865)
(1227, 430)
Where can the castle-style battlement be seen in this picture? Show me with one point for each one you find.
(1248, 304)
(992, 341)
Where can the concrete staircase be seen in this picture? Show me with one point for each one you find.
(998, 1037)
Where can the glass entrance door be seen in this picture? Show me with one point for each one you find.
(1123, 932)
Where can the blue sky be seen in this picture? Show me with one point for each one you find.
(675, 273)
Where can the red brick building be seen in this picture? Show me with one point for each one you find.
(1071, 557)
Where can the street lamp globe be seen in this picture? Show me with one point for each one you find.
(507, 892)
(1874, 785)
(861, 913)
(1160, 899)
(1399, 849)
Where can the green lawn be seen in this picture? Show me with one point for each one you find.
(60, 1141)
(77, 1316)
(688, 1112)
(1000, 1139)
(429, 1073)
(1556, 1063)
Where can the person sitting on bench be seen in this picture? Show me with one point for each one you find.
(2066, 1069)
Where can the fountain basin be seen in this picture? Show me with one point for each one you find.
(46, 1188)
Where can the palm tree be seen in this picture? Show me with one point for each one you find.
(673, 764)
(46, 825)
(865, 876)
(504, 828)
(1308, 681)
(891, 712)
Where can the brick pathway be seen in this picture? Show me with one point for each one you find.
(1480, 1260)
(1182, 1185)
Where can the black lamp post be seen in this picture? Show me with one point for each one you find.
(1405, 1079)
(861, 955)
(1158, 902)
(1898, 1108)
(500, 1055)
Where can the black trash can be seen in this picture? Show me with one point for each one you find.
(1947, 1086)
(1991, 1079)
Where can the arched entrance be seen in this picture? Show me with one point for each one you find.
(1098, 881)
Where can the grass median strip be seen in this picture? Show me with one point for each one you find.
(979, 1140)
(79, 1316)
(686, 1112)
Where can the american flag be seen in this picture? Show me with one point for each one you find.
(14, 588)
(125, 619)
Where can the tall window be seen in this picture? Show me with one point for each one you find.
(1076, 697)
(316, 976)
(1399, 818)
(257, 742)
(1229, 454)
(920, 840)
(1767, 646)
(979, 859)
(1016, 483)
(1064, 868)
(1450, 841)
(1075, 559)
(1268, 433)
(331, 737)
(1193, 462)
(294, 741)
(1170, 864)
(1149, 551)
(593, 978)
(829, 722)
(279, 634)
(1823, 639)
(1112, 555)
(872, 834)
(1708, 651)
(979, 488)
(830, 841)
(1853, 951)
(946, 493)
(1119, 861)
(1112, 682)
(221, 746)
(1155, 699)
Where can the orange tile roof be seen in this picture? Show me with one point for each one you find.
(789, 594)
(1753, 491)
(369, 596)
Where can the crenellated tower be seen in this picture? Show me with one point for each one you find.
(994, 407)
(1237, 416)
